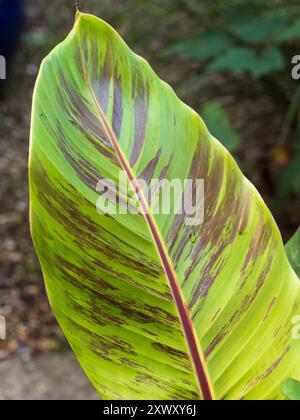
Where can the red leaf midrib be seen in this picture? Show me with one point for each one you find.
(196, 356)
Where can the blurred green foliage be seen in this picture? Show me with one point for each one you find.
(257, 39)
(250, 42)
(219, 125)
(293, 253)
(239, 59)
(291, 389)
(289, 176)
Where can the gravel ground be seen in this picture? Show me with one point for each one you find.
(65, 379)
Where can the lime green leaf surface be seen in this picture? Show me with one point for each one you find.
(219, 125)
(291, 389)
(153, 307)
(293, 251)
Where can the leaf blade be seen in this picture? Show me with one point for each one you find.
(111, 264)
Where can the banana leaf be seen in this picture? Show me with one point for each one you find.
(154, 307)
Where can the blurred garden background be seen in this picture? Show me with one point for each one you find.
(230, 60)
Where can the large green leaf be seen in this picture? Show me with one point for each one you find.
(152, 306)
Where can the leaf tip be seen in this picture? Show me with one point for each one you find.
(77, 15)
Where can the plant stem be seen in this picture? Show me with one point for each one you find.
(77, 4)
